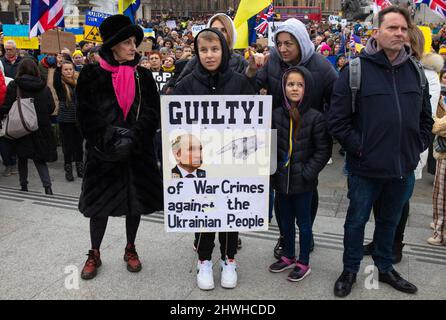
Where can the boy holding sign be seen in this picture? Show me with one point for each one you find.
(213, 76)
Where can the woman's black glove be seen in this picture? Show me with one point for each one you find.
(118, 145)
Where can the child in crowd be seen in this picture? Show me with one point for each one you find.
(212, 75)
(303, 149)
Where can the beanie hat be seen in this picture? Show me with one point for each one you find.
(77, 52)
(118, 28)
(325, 47)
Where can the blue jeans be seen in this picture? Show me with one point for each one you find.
(296, 207)
(363, 193)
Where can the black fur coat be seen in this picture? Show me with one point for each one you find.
(131, 186)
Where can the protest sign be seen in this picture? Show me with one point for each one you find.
(216, 156)
(334, 19)
(94, 18)
(91, 33)
(197, 28)
(161, 79)
(171, 24)
(78, 33)
(148, 32)
(272, 27)
(20, 35)
(54, 41)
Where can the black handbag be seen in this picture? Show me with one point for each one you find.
(439, 144)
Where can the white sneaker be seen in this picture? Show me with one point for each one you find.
(228, 273)
(205, 275)
(436, 240)
(330, 161)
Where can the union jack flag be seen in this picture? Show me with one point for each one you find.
(45, 15)
(265, 17)
(437, 6)
(378, 5)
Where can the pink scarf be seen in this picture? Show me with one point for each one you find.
(123, 83)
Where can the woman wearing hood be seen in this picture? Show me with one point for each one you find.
(40, 145)
(293, 48)
(118, 112)
(303, 149)
(213, 76)
(225, 25)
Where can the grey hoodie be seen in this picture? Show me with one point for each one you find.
(297, 29)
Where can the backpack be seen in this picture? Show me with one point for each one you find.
(21, 119)
(355, 77)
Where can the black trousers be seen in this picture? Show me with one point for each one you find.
(99, 225)
(72, 142)
(205, 244)
(42, 169)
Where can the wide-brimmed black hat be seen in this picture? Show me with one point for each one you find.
(118, 28)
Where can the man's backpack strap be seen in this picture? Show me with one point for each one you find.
(355, 79)
(421, 76)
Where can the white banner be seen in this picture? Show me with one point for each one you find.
(216, 162)
(272, 27)
(197, 28)
(171, 24)
(161, 79)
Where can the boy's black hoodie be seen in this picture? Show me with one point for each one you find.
(224, 82)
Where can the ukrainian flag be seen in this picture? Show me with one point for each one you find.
(246, 9)
(129, 8)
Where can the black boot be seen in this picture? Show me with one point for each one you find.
(80, 169)
(68, 167)
(48, 191)
(24, 187)
(343, 285)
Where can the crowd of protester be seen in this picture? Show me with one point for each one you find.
(174, 64)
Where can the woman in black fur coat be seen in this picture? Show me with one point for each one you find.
(118, 113)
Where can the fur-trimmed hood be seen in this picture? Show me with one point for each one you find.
(433, 61)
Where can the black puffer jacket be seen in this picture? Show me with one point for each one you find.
(41, 144)
(226, 81)
(132, 186)
(311, 149)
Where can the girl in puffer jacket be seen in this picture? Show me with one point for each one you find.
(303, 149)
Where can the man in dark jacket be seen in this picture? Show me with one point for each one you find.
(294, 48)
(383, 138)
(11, 59)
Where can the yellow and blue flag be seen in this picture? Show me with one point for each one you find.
(129, 8)
(246, 9)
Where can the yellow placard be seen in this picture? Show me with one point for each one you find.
(79, 37)
(24, 42)
(91, 33)
(149, 34)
